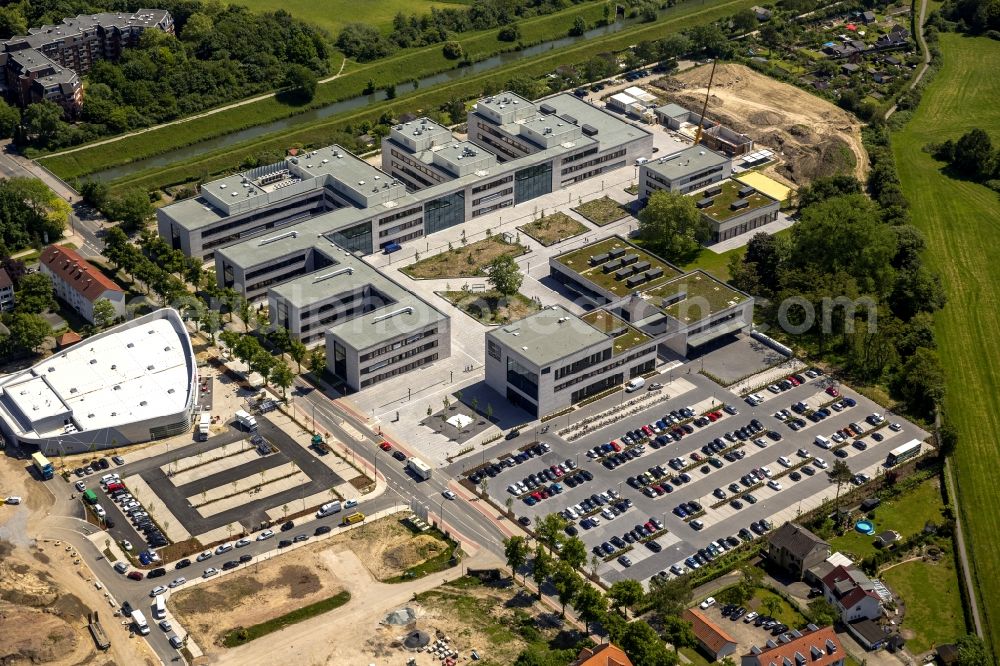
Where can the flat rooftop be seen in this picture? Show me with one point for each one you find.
(579, 261)
(721, 208)
(685, 162)
(625, 336)
(549, 335)
(133, 372)
(701, 296)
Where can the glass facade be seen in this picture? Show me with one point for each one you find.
(444, 212)
(355, 239)
(339, 359)
(532, 182)
(522, 378)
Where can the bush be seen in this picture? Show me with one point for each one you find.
(453, 51)
(509, 33)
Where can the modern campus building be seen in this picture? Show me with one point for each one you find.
(79, 284)
(553, 359)
(684, 171)
(132, 383)
(429, 181)
(732, 209)
(47, 62)
(714, 135)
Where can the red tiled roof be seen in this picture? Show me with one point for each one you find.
(851, 599)
(76, 272)
(602, 655)
(712, 635)
(68, 338)
(4, 279)
(816, 648)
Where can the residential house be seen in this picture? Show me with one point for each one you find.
(849, 68)
(868, 17)
(6, 291)
(78, 283)
(602, 655)
(795, 549)
(812, 646)
(762, 13)
(852, 593)
(712, 638)
(869, 634)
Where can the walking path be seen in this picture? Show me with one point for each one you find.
(919, 34)
(179, 121)
(963, 553)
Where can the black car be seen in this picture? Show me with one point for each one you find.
(400, 456)
(654, 546)
(183, 563)
(840, 453)
(512, 434)
(322, 529)
(156, 573)
(287, 526)
(231, 564)
(795, 476)
(808, 471)
(524, 521)
(245, 558)
(571, 530)
(284, 543)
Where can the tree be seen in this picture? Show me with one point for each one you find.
(920, 382)
(104, 313)
(590, 605)
(541, 568)
(674, 46)
(750, 579)
(515, 549)
(644, 647)
(43, 121)
(131, 207)
(197, 28)
(625, 593)
(771, 604)
(301, 82)
(821, 613)
(509, 33)
(27, 330)
(567, 583)
(549, 529)
(973, 154)
(211, 322)
(282, 376)
(12, 22)
(504, 275)
(363, 42)
(297, 350)
(30, 213)
(10, 118)
(94, 192)
(828, 187)
(744, 21)
(671, 597)
(317, 362)
(574, 552)
(579, 27)
(35, 294)
(678, 632)
(671, 226)
(767, 253)
(840, 474)
(972, 651)
(452, 50)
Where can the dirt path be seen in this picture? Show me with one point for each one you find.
(809, 134)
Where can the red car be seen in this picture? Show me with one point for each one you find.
(793, 380)
(649, 431)
(537, 495)
(712, 417)
(385, 446)
(135, 575)
(831, 391)
(115, 486)
(617, 447)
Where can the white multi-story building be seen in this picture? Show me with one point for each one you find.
(79, 284)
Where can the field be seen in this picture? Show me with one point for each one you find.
(400, 68)
(491, 307)
(332, 15)
(906, 514)
(961, 221)
(464, 260)
(930, 593)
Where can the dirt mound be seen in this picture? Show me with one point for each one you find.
(400, 617)
(301, 581)
(410, 553)
(34, 636)
(812, 137)
(26, 586)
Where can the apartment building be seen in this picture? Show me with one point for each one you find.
(48, 62)
(79, 284)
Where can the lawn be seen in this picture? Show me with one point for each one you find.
(933, 603)
(242, 635)
(907, 515)
(602, 211)
(786, 613)
(553, 228)
(464, 260)
(961, 221)
(491, 307)
(332, 15)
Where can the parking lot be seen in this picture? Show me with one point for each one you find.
(710, 479)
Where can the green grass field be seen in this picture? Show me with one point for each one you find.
(933, 603)
(332, 15)
(962, 223)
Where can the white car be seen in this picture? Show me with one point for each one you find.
(707, 603)
(159, 589)
(784, 462)
(177, 582)
(819, 462)
(127, 545)
(895, 427)
(13, 499)
(266, 534)
(81, 486)
(243, 542)
(773, 485)
(224, 548)
(766, 471)
(750, 617)
(449, 495)
(209, 572)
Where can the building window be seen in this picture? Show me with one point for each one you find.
(521, 378)
(532, 182)
(493, 349)
(445, 212)
(355, 239)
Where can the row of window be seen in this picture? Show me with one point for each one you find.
(402, 239)
(399, 215)
(713, 323)
(600, 160)
(491, 197)
(398, 343)
(404, 169)
(416, 164)
(310, 201)
(274, 279)
(490, 186)
(401, 227)
(579, 156)
(273, 266)
(410, 353)
(521, 378)
(400, 370)
(489, 129)
(583, 363)
(593, 172)
(605, 368)
(489, 209)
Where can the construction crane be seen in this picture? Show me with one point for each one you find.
(704, 107)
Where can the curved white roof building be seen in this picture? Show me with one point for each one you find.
(135, 382)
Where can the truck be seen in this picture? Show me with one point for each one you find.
(204, 423)
(328, 509)
(246, 420)
(90, 497)
(419, 468)
(42, 464)
(139, 620)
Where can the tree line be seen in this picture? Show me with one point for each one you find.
(971, 156)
